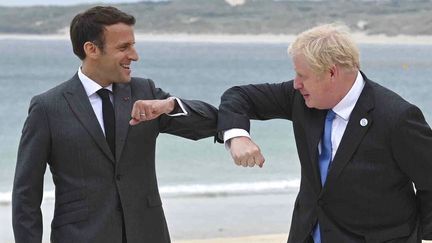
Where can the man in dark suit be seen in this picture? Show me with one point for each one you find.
(103, 168)
(361, 146)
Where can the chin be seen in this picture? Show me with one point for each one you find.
(314, 106)
(125, 80)
(309, 105)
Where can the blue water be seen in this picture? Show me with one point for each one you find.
(198, 71)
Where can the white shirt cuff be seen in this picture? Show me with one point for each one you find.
(183, 113)
(233, 133)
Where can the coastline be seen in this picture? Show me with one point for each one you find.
(252, 218)
(360, 38)
(232, 219)
(271, 238)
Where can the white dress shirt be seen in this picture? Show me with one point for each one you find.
(91, 87)
(343, 112)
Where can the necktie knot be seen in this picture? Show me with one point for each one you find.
(103, 93)
(330, 115)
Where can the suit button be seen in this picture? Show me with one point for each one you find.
(118, 177)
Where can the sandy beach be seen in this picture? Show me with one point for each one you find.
(247, 239)
(245, 218)
(360, 38)
(263, 218)
(275, 238)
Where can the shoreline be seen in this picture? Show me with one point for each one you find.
(360, 38)
(232, 219)
(225, 219)
(205, 190)
(270, 238)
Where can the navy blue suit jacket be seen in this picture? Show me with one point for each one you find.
(369, 194)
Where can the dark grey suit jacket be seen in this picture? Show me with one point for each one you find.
(94, 190)
(369, 194)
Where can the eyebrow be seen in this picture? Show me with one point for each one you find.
(125, 44)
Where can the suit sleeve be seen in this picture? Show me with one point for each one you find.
(200, 121)
(412, 147)
(239, 104)
(33, 153)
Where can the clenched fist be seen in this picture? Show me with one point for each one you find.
(145, 110)
(245, 152)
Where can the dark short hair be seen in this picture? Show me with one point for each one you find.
(90, 26)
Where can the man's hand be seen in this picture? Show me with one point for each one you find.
(145, 110)
(245, 152)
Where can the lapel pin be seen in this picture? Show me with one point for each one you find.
(363, 122)
(125, 98)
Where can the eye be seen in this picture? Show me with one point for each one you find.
(124, 47)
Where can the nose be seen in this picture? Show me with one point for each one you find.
(133, 54)
(297, 83)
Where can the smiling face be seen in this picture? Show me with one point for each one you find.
(113, 63)
(318, 91)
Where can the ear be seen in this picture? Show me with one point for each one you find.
(334, 71)
(91, 50)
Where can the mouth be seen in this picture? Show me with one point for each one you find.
(125, 66)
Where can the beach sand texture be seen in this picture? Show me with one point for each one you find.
(189, 232)
(275, 238)
(247, 239)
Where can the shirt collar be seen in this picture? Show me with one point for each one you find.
(90, 86)
(344, 108)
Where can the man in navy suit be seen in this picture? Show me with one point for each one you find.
(361, 146)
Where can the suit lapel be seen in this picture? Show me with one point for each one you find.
(123, 108)
(314, 128)
(353, 134)
(81, 107)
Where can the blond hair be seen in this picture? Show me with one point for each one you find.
(327, 45)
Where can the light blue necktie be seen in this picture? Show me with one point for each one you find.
(324, 161)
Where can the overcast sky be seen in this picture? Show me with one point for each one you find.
(58, 2)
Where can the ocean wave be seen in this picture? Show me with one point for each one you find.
(6, 197)
(240, 188)
(202, 190)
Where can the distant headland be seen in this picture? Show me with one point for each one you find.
(238, 17)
